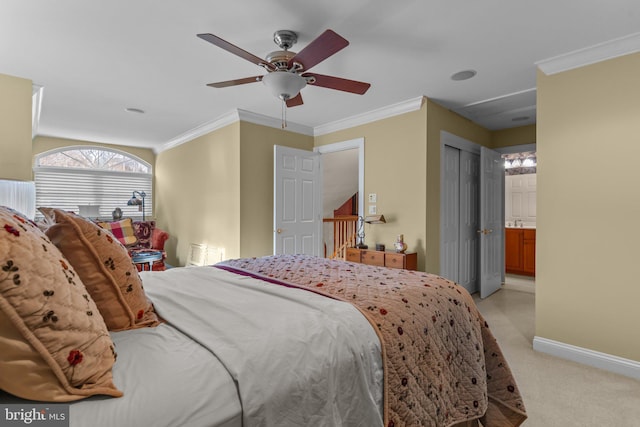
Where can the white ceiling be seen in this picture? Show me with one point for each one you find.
(96, 58)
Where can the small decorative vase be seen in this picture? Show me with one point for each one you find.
(400, 245)
(116, 214)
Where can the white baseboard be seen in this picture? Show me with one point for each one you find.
(608, 362)
(520, 287)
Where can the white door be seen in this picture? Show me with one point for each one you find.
(297, 217)
(491, 221)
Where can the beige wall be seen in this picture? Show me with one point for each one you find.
(256, 183)
(402, 166)
(588, 204)
(15, 128)
(395, 156)
(514, 136)
(217, 190)
(198, 194)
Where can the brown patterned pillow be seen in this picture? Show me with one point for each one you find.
(106, 269)
(55, 345)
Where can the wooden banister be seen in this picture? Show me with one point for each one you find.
(345, 229)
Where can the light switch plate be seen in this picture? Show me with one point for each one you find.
(372, 209)
(373, 197)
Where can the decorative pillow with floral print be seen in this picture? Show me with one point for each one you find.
(144, 231)
(105, 268)
(55, 344)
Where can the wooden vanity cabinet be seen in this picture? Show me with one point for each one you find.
(529, 252)
(520, 251)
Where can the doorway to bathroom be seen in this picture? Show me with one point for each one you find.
(520, 216)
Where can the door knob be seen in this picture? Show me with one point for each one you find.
(485, 231)
(279, 230)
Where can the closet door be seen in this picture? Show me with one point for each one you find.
(469, 224)
(460, 197)
(450, 199)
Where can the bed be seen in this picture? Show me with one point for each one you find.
(287, 341)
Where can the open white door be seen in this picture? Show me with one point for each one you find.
(297, 217)
(491, 221)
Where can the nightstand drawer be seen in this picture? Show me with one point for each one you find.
(353, 255)
(394, 260)
(405, 260)
(373, 258)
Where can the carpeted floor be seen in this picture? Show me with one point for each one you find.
(557, 392)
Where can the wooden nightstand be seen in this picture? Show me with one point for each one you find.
(407, 260)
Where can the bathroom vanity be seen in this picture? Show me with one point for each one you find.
(520, 250)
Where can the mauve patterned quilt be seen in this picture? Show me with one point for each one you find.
(442, 365)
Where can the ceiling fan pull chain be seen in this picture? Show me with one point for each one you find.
(284, 114)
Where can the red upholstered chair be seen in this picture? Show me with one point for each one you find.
(150, 238)
(139, 237)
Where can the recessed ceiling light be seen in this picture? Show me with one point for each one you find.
(463, 75)
(520, 119)
(134, 110)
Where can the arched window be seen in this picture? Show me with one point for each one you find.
(102, 178)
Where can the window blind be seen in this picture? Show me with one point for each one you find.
(67, 188)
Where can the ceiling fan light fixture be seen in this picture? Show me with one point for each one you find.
(283, 84)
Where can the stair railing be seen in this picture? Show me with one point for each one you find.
(345, 229)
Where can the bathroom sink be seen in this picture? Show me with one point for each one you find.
(526, 225)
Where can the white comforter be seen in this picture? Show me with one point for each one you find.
(298, 359)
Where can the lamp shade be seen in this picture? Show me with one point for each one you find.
(375, 219)
(134, 201)
(89, 211)
(283, 84)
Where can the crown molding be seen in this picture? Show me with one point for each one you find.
(227, 119)
(371, 116)
(203, 129)
(36, 107)
(590, 55)
(260, 119)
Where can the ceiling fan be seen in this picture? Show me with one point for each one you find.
(288, 72)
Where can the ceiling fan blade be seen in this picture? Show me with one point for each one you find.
(236, 82)
(295, 101)
(325, 45)
(338, 83)
(217, 41)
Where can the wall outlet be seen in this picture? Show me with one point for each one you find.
(373, 197)
(372, 209)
